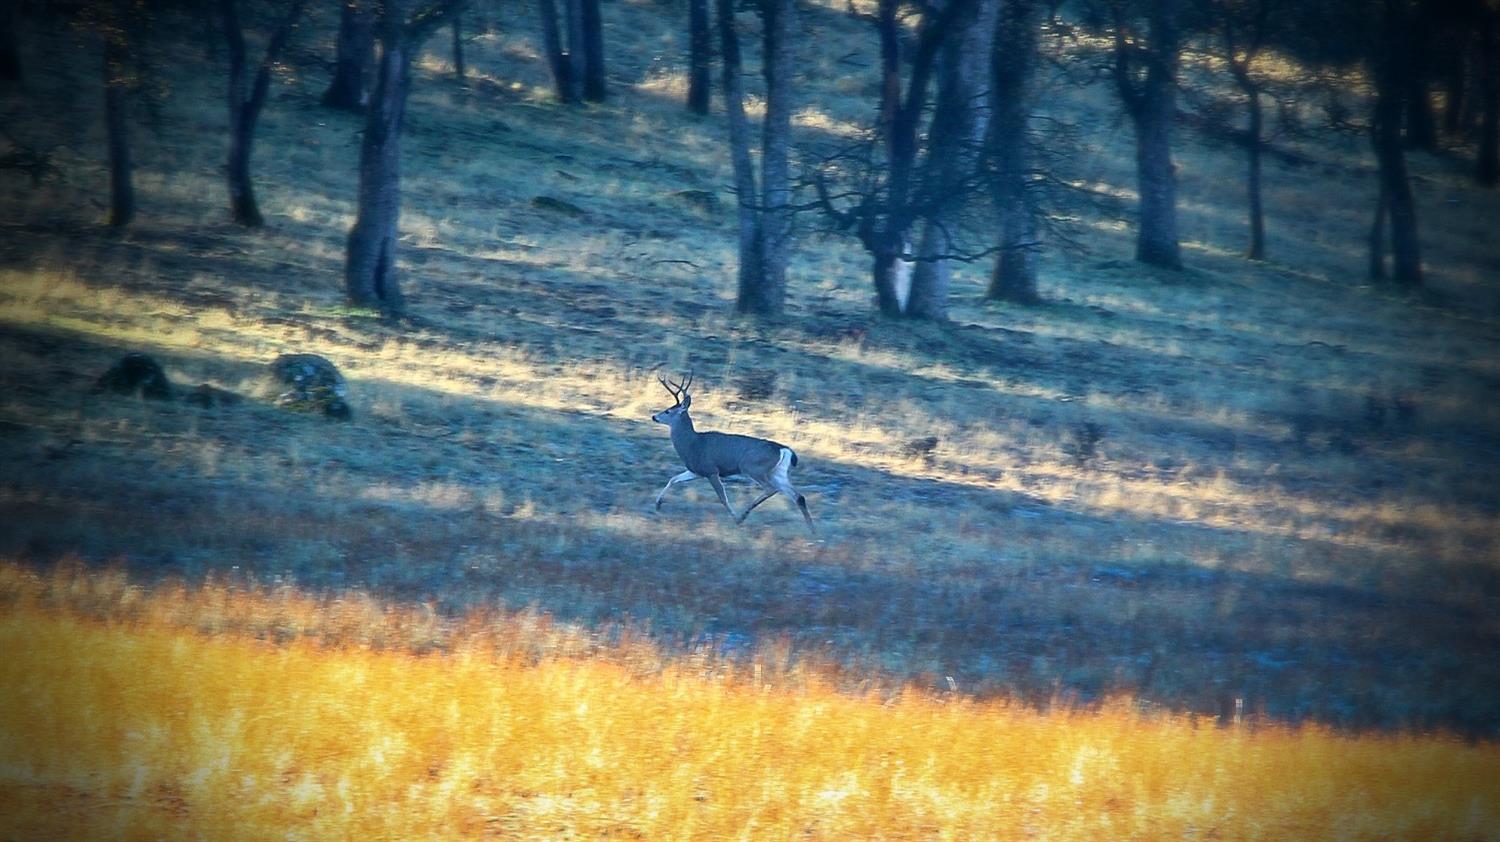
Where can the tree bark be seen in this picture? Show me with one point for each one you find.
(354, 57)
(246, 100)
(955, 138)
(573, 20)
(1421, 123)
(10, 48)
(764, 230)
(1152, 106)
(699, 58)
(1015, 273)
(1391, 67)
(1456, 91)
(886, 231)
(116, 125)
(1487, 169)
(370, 277)
(557, 58)
(595, 86)
(768, 296)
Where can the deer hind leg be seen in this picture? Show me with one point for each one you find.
(718, 485)
(685, 476)
(780, 480)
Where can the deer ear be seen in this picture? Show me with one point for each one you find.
(687, 401)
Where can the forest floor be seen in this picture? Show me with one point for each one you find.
(1259, 486)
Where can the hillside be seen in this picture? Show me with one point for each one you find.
(1261, 485)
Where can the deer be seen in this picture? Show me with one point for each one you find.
(713, 456)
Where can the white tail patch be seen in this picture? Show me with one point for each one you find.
(783, 464)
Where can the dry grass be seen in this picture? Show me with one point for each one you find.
(166, 713)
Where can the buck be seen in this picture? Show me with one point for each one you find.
(713, 456)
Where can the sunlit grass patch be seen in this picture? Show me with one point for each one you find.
(240, 712)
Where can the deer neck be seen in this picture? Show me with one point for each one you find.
(684, 437)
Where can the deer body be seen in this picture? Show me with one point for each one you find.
(712, 456)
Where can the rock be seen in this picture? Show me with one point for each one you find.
(549, 203)
(136, 373)
(702, 202)
(922, 447)
(209, 397)
(309, 383)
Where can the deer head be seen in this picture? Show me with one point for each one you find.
(681, 399)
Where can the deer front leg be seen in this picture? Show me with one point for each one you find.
(718, 485)
(685, 476)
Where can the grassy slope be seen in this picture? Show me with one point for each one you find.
(1266, 483)
(137, 728)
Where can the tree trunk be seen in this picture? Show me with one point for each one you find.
(242, 117)
(116, 94)
(573, 21)
(1421, 124)
(1455, 89)
(245, 104)
(739, 153)
(242, 206)
(1015, 274)
(765, 230)
(1253, 148)
(458, 47)
(354, 57)
(886, 233)
(892, 272)
(595, 87)
(699, 59)
(1385, 133)
(959, 125)
(1487, 170)
(370, 277)
(1152, 106)
(769, 296)
(10, 48)
(557, 57)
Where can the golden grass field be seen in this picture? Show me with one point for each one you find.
(168, 714)
(1063, 549)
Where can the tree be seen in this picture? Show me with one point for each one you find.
(1244, 29)
(764, 219)
(118, 31)
(884, 177)
(1421, 123)
(1145, 74)
(595, 88)
(1487, 169)
(699, 45)
(955, 139)
(1390, 65)
(575, 49)
(458, 46)
(354, 58)
(370, 277)
(10, 48)
(247, 98)
(1015, 274)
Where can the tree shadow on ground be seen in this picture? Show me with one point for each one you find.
(580, 544)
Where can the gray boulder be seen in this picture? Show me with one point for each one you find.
(309, 383)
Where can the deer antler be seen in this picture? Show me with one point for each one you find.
(677, 390)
